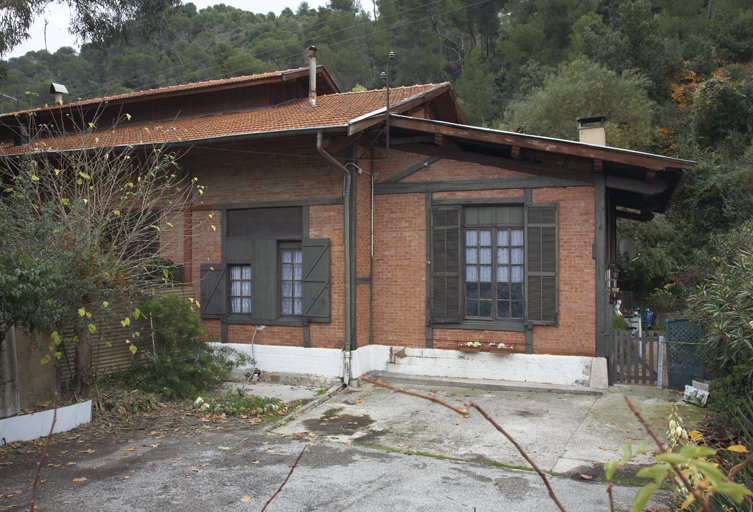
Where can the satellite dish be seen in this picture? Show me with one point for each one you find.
(627, 249)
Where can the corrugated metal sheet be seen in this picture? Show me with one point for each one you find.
(117, 356)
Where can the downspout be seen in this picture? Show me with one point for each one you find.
(346, 240)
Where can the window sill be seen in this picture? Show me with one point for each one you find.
(484, 326)
(246, 320)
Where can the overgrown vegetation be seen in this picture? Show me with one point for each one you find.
(239, 403)
(182, 363)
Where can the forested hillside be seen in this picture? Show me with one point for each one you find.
(673, 77)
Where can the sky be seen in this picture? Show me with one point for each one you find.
(57, 16)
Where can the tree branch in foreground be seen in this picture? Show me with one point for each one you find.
(464, 411)
(44, 455)
(285, 481)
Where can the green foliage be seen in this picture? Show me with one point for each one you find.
(475, 89)
(583, 89)
(183, 363)
(732, 403)
(240, 403)
(724, 304)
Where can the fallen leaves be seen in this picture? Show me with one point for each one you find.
(196, 470)
(131, 449)
(87, 451)
(586, 477)
(245, 499)
(82, 479)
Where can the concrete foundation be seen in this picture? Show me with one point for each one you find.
(589, 372)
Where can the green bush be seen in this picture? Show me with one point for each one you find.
(183, 363)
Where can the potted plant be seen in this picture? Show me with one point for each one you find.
(500, 348)
(469, 346)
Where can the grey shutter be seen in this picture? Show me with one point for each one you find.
(213, 290)
(541, 245)
(264, 281)
(446, 302)
(316, 280)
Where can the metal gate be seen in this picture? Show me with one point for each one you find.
(635, 358)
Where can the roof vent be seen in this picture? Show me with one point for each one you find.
(592, 130)
(58, 90)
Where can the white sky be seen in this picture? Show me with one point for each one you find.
(57, 16)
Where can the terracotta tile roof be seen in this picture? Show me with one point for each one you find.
(332, 110)
(172, 89)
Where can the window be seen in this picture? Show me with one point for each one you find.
(292, 287)
(494, 265)
(269, 273)
(240, 288)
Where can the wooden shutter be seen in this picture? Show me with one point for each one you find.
(316, 280)
(446, 303)
(213, 290)
(264, 280)
(541, 245)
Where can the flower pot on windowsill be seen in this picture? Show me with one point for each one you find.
(503, 351)
(466, 348)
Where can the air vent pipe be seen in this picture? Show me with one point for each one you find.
(312, 76)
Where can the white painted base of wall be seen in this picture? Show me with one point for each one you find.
(34, 426)
(542, 369)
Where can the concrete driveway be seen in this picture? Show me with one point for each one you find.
(565, 430)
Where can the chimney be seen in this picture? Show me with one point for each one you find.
(592, 130)
(312, 76)
(58, 90)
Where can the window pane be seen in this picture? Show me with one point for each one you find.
(235, 305)
(287, 256)
(287, 272)
(297, 307)
(517, 237)
(517, 274)
(486, 274)
(287, 289)
(503, 309)
(517, 256)
(486, 290)
(235, 288)
(245, 288)
(503, 274)
(485, 310)
(471, 290)
(297, 270)
(503, 256)
(485, 237)
(298, 256)
(486, 256)
(472, 308)
(471, 237)
(297, 289)
(471, 255)
(516, 291)
(287, 306)
(517, 310)
(503, 237)
(235, 272)
(503, 291)
(471, 273)
(246, 305)
(246, 271)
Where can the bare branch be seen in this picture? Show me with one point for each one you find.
(285, 481)
(44, 456)
(464, 411)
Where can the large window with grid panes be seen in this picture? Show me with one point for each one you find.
(494, 265)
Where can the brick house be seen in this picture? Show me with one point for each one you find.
(363, 240)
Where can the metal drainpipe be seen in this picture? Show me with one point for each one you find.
(346, 240)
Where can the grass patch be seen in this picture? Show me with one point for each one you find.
(512, 466)
(331, 412)
(240, 403)
(409, 452)
(321, 391)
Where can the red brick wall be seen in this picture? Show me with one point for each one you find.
(577, 286)
(400, 270)
(363, 257)
(444, 169)
(252, 176)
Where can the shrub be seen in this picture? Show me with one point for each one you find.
(183, 362)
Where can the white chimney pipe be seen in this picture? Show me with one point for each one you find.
(591, 130)
(312, 76)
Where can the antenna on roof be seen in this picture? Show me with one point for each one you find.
(386, 78)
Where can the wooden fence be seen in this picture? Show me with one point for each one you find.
(110, 352)
(636, 358)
